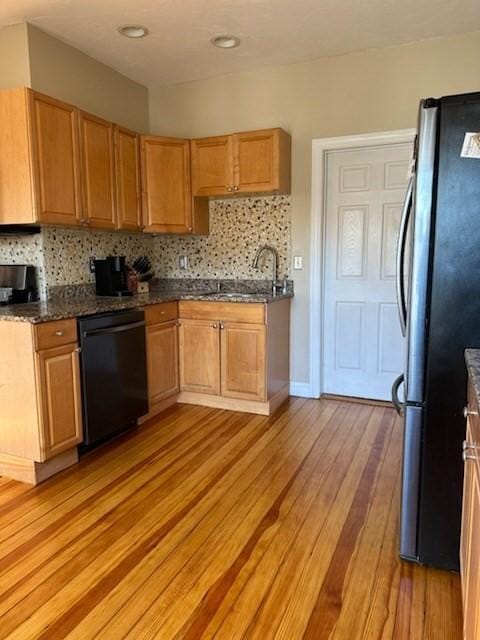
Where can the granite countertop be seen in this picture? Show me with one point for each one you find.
(59, 308)
(472, 358)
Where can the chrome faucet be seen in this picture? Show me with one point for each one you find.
(266, 248)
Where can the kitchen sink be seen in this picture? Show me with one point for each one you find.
(230, 294)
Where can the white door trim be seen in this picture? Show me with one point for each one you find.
(320, 147)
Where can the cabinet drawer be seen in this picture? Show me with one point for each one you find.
(54, 334)
(229, 311)
(161, 312)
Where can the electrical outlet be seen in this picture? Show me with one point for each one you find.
(183, 262)
(298, 262)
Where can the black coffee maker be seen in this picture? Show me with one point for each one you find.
(111, 277)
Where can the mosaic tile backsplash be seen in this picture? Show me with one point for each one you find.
(237, 228)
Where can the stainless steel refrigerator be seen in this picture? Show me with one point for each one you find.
(438, 290)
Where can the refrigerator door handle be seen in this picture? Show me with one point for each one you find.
(402, 240)
(399, 408)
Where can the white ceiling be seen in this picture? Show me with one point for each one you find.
(273, 32)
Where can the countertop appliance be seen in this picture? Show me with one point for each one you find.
(111, 277)
(18, 284)
(114, 373)
(438, 290)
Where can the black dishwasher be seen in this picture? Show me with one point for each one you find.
(114, 373)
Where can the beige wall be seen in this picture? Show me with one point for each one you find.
(66, 73)
(377, 90)
(14, 62)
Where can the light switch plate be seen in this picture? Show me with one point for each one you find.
(298, 262)
(183, 262)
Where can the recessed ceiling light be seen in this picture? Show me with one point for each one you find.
(225, 42)
(133, 31)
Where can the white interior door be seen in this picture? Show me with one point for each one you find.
(363, 346)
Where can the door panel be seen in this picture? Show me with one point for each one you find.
(98, 171)
(243, 354)
(56, 160)
(212, 166)
(60, 398)
(363, 347)
(162, 361)
(127, 179)
(199, 346)
(166, 184)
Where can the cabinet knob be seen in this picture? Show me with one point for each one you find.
(468, 412)
(222, 325)
(59, 333)
(230, 189)
(78, 350)
(215, 325)
(235, 188)
(469, 456)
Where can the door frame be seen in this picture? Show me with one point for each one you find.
(320, 148)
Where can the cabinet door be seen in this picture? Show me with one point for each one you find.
(98, 171)
(127, 179)
(167, 202)
(471, 573)
(212, 166)
(162, 361)
(55, 160)
(199, 356)
(243, 358)
(59, 398)
(262, 161)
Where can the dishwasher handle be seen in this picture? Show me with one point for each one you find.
(109, 330)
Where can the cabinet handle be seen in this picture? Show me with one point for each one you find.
(468, 412)
(468, 445)
(78, 350)
(235, 188)
(469, 456)
(222, 325)
(60, 333)
(215, 325)
(229, 188)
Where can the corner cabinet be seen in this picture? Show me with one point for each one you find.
(242, 163)
(98, 171)
(40, 397)
(234, 355)
(127, 179)
(470, 538)
(168, 206)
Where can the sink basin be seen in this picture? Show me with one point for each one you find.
(230, 294)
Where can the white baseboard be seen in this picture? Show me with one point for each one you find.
(301, 389)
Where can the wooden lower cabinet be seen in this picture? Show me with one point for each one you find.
(242, 359)
(162, 361)
(234, 355)
(199, 356)
(470, 539)
(40, 396)
(58, 373)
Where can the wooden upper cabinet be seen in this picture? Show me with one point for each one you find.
(243, 358)
(127, 179)
(249, 162)
(55, 160)
(212, 166)
(98, 171)
(262, 161)
(167, 202)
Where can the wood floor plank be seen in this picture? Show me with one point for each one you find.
(212, 524)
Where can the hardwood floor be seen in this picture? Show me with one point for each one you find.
(212, 524)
